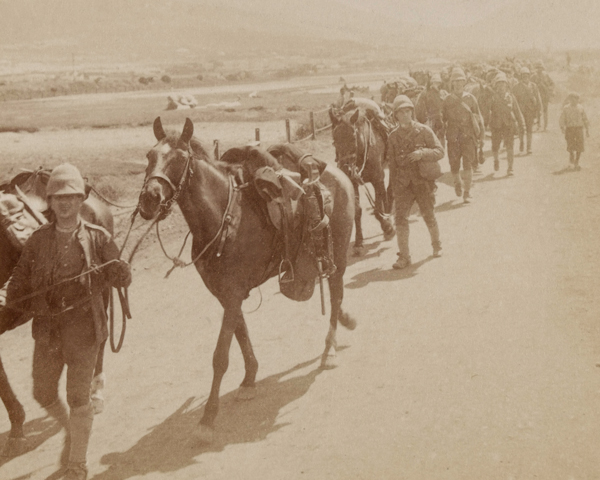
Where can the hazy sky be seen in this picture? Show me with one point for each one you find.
(433, 12)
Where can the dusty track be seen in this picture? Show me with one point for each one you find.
(481, 364)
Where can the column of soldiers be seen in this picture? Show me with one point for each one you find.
(450, 112)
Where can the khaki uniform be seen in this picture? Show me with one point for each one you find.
(461, 116)
(530, 104)
(505, 121)
(428, 111)
(407, 183)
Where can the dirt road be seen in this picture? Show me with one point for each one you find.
(483, 364)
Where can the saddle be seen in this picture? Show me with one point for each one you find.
(297, 205)
(18, 218)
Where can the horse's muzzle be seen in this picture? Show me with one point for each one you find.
(151, 199)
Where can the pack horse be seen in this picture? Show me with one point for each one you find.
(234, 245)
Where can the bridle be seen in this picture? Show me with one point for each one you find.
(351, 166)
(165, 209)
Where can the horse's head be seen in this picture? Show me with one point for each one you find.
(348, 139)
(169, 162)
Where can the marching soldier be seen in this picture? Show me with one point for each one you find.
(546, 88)
(530, 104)
(505, 121)
(428, 109)
(410, 144)
(464, 132)
(59, 261)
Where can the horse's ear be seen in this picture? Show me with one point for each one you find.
(188, 131)
(276, 150)
(354, 117)
(159, 132)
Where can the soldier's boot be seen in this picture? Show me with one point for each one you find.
(521, 143)
(434, 233)
(458, 187)
(58, 411)
(511, 160)
(468, 180)
(577, 157)
(572, 158)
(81, 422)
(496, 161)
(529, 143)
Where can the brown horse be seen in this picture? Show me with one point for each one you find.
(360, 154)
(33, 184)
(233, 261)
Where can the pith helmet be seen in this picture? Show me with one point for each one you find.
(458, 74)
(402, 101)
(436, 77)
(500, 77)
(65, 180)
(525, 71)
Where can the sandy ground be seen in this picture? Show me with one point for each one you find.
(483, 364)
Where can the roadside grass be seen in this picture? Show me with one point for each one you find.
(119, 110)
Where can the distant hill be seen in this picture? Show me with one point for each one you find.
(125, 30)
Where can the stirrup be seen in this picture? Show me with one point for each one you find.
(282, 272)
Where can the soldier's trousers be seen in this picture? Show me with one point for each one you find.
(507, 134)
(529, 119)
(72, 343)
(404, 198)
(461, 146)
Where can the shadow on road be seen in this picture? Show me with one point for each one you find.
(170, 446)
(378, 275)
(370, 250)
(563, 171)
(491, 178)
(37, 432)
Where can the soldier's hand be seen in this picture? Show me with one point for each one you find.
(123, 274)
(415, 156)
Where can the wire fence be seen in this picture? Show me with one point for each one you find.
(318, 122)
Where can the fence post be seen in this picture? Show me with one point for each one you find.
(312, 126)
(288, 133)
(216, 146)
(257, 134)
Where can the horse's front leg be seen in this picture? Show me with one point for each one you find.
(16, 443)
(220, 365)
(247, 390)
(336, 289)
(358, 237)
(381, 210)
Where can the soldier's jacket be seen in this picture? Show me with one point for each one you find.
(461, 115)
(34, 273)
(545, 85)
(505, 112)
(428, 109)
(528, 96)
(403, 141)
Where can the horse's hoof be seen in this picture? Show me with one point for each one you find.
(358, 251)
(389, 235)
(328, 361)
(245, 393)
(205, 434)
(347, 321)
(15, 447)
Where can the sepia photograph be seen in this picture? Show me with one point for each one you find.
(299, 239)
